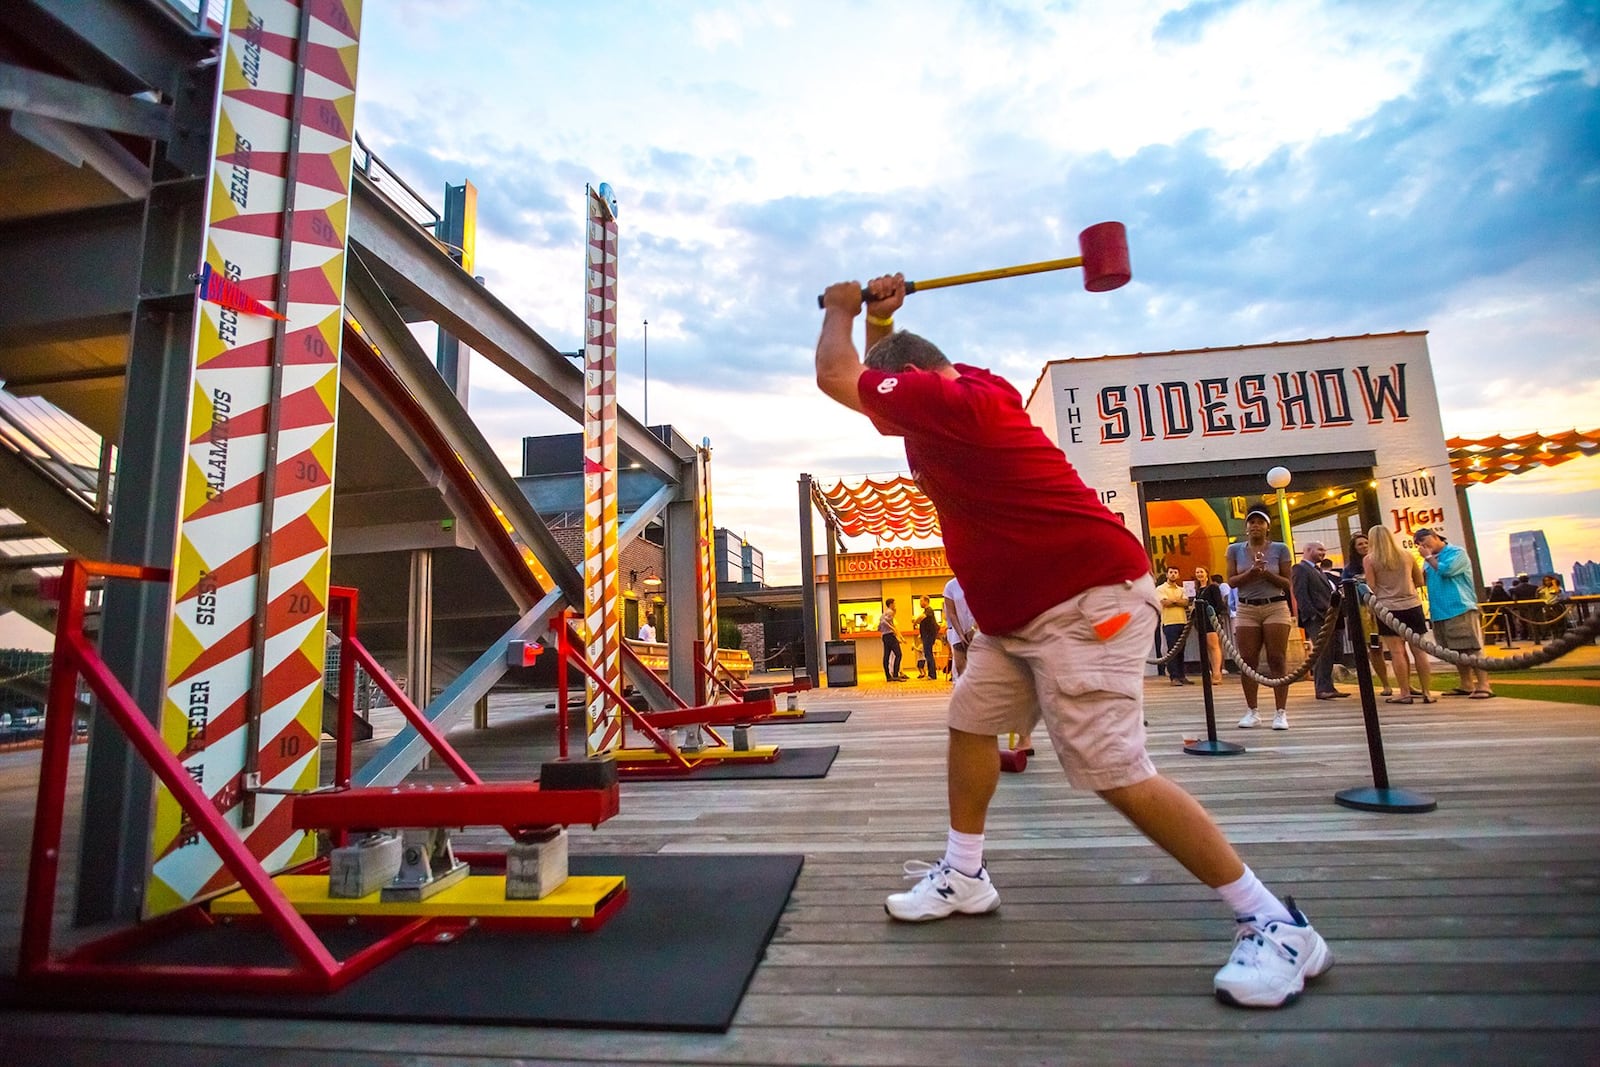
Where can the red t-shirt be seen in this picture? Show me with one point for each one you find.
(1021, 530)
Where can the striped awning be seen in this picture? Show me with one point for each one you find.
(1479, 461)
(890, 509)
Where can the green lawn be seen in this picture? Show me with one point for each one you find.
(1505, 684)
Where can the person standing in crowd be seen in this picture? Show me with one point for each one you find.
(1232, 596)
(1394, 576)
(958, 626)
(1174, 617)
(1453, 602)
(1258, 568)
(1067, 646)
(1553, 605)
(891, 643)
(928, 633)
(1313, 596)
(1360, 546)
(1525, 594)
(1499, 614)
(1207, 593)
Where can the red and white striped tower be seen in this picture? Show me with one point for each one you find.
(602, 586)
(245, 639)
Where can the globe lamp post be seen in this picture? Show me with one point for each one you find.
(1279, 479)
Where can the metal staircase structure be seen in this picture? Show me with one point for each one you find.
(105, 119)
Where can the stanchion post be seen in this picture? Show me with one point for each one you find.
(1210, 746)
(1380, 796)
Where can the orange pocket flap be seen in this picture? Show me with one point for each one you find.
(1111, 627)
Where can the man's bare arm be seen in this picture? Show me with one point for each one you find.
(838, 362)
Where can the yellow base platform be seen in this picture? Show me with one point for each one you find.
(650, 755)
(479, 895)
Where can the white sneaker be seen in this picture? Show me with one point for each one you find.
(941, 890)
(1270, 963)
(1250, 721)
(1280, 721)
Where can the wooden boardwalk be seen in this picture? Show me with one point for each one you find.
(1468, 935)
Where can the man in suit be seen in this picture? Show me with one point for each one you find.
(1526, 594)
(1313, 595)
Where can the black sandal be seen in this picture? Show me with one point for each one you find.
(1398, 700)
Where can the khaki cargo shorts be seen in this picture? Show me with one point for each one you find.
(1079, 669)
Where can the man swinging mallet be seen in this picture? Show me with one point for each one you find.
(1066, 646)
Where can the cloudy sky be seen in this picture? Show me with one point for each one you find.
(1286, 170)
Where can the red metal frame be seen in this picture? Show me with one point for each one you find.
(732, 685)
(650, 723)
(514, 804)
(316, 969)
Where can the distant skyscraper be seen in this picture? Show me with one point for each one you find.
(1530, 553)
(1586, 577)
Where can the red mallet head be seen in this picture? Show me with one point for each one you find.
(1105, 257)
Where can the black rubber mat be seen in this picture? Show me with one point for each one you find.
(809, 716)
(792, 762)
(678, 955)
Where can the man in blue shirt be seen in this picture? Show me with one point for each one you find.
(1453, 603)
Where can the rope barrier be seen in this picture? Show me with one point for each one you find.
(1578, 635)
(1322, 646)
(1538, 622)
(1177, 646)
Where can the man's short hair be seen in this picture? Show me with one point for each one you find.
(1425, 531)
(901, 349)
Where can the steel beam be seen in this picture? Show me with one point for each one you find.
(808, 586)
(117, 785)
(32, 92)
(644, 514)
(70, 276)
(419, 627)
(43, 503)
(682, 521)
(126, 45)
(97, 149)
(414, 270)
(21, 531)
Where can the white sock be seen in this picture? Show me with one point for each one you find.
(1249, 899)
(964, 852)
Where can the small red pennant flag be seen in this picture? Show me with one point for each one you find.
(217, 289)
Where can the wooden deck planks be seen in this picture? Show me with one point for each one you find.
(1467, 935)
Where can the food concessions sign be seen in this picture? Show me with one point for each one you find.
(892, 563)
(1267, 405)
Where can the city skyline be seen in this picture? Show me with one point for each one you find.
(1285, 171)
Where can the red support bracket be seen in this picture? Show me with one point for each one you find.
(316, 970)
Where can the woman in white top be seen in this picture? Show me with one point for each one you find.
(1394, 575)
